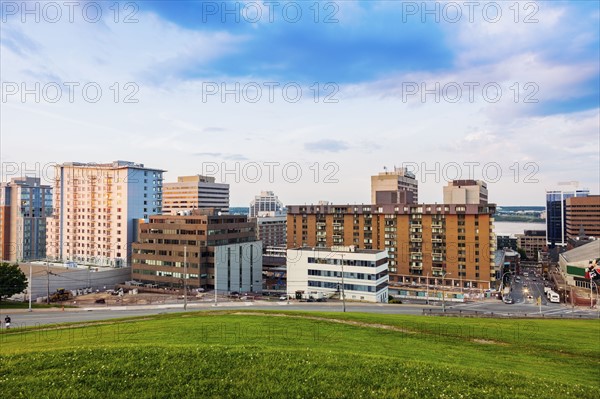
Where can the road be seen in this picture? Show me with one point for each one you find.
(23, 318)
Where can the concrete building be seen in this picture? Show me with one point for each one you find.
(583, 216)
(424, 241)
(49, 277)
(25, 204)
(466, 192)
(532, 242)
(267, 201)
(506, 242)
(195, 192)
(95, 209)
(574, 263)
(215, 247)
(271, 228)
(318, 272)
(395, 187)
(556, 215)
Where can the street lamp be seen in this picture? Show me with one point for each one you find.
(343, 292)
(444, 293)
(427, 283)
(502, 280)
(184, 277)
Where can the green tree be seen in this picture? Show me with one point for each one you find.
(12, 280)
(523, 254)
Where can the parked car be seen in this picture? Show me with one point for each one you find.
(283, 298)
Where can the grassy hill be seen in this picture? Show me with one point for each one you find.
(303, 355)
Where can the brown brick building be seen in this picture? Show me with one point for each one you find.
(435, 240)
(583, 215)
(225, 245)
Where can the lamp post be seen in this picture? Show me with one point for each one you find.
(444, 292)
(343, 292)
(592, 282)
(184, 277)
(502, 280)
(30, 286)
(427, 292)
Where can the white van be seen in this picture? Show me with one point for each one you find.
(554, 297)
(525, 274)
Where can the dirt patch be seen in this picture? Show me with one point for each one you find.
(340, 321)
(487, 342)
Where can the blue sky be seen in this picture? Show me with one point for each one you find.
(366, 55)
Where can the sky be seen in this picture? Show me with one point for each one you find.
(305, 98)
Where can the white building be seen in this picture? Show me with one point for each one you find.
(195, 192)
(95, 209)
(267, 201)
(318, 271)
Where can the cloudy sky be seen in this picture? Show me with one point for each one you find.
(308, 99)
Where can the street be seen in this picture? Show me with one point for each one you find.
(521, 308)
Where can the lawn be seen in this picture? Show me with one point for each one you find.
(303, 355)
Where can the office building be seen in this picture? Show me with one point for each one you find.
(532, 242)
(195, 192)
(271, 228)
(556, 215)
(95, 209)
(506, 242)
(214, 247)
(394, 187)
(466, 192)
(424, 241)
(358, 274)
(267, 201)
(583, 216)
(25, 204)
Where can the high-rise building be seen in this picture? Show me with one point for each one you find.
(394, 187)
(271, 228)
(213, 246)
(25, 204)
(195, 192)
(532, 242)
(556, 215)
(95, 210)
(583, 216)
(267, 201)
(466, 192)
(451, 244)
(318, 271)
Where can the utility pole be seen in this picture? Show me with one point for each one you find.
(215, 270)
(47, 283)
(30, 286)
(185, 277)
(343, 292)
(427, 282)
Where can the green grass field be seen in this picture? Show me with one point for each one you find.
(303, 355)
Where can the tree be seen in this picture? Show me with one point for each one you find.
(523, 254)
(12, 280)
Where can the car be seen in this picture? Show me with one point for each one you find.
(508, 300)
(529, 296)
(321, 300)
(310, 300)
(283, 298)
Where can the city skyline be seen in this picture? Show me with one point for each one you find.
(195, 89)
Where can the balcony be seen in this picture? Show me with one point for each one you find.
(436, 225)
(437, 240)
(416, 239)
(416, 266)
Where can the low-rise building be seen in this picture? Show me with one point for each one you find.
(532, 242)
(203, 248)
(358, 274)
